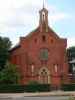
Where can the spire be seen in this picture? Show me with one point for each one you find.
(43, 3)
(43, 22)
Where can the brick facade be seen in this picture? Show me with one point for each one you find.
(41, 56)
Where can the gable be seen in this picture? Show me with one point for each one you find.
(36, 32)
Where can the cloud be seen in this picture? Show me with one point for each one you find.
(71, 41)
(19, 13)
(18, 17)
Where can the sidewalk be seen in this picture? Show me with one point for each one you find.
(53, 93)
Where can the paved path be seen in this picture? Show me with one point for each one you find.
(38, 98)
(45, 98)
(55, 95)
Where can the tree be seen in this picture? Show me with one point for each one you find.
(71, 53)
(9, 75)
(5, 45)
(71, 59)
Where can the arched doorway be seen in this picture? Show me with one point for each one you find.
(44, 76)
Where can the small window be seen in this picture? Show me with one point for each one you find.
(51, 40)
(56, 67)
(35, 40)
(43, 38)
(43, 16)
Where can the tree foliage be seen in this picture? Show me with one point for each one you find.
(71, 53)
(9, 75)
(5, 45)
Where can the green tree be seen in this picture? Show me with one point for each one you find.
(71, 53)
(10, 74)
(5, 45)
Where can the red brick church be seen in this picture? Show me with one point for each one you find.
(41, 55)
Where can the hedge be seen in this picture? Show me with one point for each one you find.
(38, 88)
(24, 88)
(11, 88)
(68, 87)
(32, 88)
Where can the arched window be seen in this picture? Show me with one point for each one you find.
(44, 54)
(35, 40)
(43, 16)
(44, 76)
(43, 38)
(56, 68)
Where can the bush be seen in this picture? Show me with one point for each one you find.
(11, 88)
(68, 87)
(38, 88)
(15, 88)
(34, 86)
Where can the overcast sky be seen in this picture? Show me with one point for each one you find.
(19, 17)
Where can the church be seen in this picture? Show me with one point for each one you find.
(41, 55)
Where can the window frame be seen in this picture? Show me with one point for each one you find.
(42, 55)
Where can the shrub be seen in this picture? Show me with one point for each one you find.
(16, 88)
(68, 87)
(34, 86)
(11, 88)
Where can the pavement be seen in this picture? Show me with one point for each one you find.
(53, 93)
(38, 98)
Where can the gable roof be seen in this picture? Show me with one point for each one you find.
(37, 31)
(14, 48)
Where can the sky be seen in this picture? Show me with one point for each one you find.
(19, 17)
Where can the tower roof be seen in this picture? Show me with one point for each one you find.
(43, 22)
(43, 3)
(43, 10)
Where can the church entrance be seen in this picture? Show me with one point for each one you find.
(44, 76)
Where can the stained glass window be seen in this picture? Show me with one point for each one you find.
(44, 54)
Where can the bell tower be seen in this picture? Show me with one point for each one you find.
(43, 22)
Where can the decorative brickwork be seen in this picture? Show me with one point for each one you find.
(53, 55)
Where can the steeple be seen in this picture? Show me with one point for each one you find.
(43, 3)
(43, 22)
